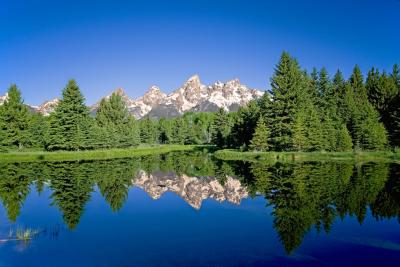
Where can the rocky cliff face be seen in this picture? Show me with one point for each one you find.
(192, 189)
(191, 96)
(47, 107)
(195, 96)
(3, 98)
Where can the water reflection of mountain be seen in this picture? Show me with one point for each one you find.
(302, 196)
(192, 189)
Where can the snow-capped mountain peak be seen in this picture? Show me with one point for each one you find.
(47, 107)
(191, 96)
(152, 96)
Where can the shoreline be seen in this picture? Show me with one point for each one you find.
(20, 156)
(224, 154)
(364, 156)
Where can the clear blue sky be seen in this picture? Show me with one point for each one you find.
(135, 44)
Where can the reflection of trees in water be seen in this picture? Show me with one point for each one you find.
(72, 183)
(303, 195)
(387, 203)
(14, 191)
(71, 186)
(313, 194)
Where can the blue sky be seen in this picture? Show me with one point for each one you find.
(135, 44)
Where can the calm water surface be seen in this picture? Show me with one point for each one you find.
(190, 210)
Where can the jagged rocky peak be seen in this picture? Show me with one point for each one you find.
(48, 106)
(192, 89)
(153, 96)
(193, 81)
(235, 83)
(119, 91)
(3, 98)
(191, 96)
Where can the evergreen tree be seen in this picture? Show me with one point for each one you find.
(260, 140)
(132, 132)
(288, 92)
(312, 87)
(112, 111)
(67, 128)
(324, 84)
(395, 109)
(190, 128)
(221, 129)
(164, 129)
(245, 124)
(357, 83)
(382, 91)
(307, 130)
(38, 126)
(339, 92)
(14, 121)
(264, 104)
(363, 120)
(202, 127)
(395, 75)
(344, 142)
(179, 134)
(149, 131)
(328, 109)
(121, 128)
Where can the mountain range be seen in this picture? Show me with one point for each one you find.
(191, 96)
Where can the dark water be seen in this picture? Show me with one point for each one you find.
(190, 210)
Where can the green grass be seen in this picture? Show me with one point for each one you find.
(226, 154)
(21, 234)
(16, 156)
(25, 234)
(364, 156)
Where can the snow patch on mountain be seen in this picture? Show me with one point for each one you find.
(47, 107)
(3, 98)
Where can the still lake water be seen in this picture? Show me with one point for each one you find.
(184, 209)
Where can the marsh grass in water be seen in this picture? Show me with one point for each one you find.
(25, 234)
(21, 234)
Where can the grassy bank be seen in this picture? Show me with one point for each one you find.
(364, 156)
(14, 156)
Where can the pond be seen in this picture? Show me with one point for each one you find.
(189, 209)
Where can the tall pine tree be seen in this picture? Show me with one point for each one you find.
(288, 91)
(363, 121)
(14, 121)
(67, 130)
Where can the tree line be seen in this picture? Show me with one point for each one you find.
(302, 112)
(314, 112)
(71, 126)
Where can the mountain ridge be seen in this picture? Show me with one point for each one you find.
(191, 96)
